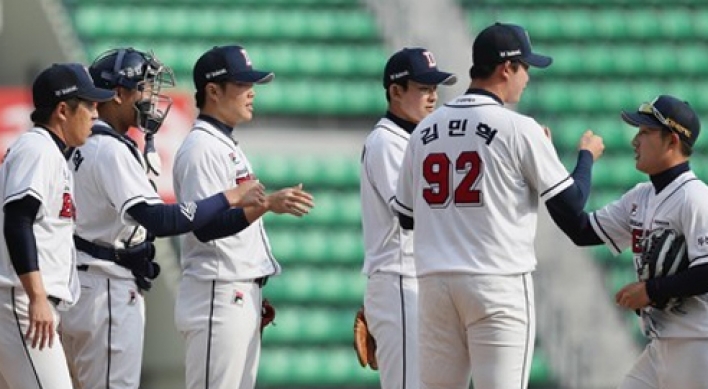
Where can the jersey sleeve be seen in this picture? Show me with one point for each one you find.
(694, 224)
(611, 223)
(124, 179)
(29, 171)
(382, 163)
(197, 173)
(539, 160)
(405, 188)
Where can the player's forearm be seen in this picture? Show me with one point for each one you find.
(19, 220)
(228, 223)
(33, 285)
(175, 219)
(690, 282)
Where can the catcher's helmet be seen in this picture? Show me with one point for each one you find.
(134, 69)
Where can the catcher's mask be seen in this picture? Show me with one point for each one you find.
(133, 69)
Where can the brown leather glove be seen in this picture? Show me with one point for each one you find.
(267, 314)
(364, 343)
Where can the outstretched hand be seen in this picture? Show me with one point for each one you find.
(292, 200)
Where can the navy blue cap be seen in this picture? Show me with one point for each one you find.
(670, 113)
(503, 42)
(416, 64)
(61, 82)
(227, 63)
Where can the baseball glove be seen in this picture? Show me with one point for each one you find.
(364, 343)
(664, 253)
(267, 314)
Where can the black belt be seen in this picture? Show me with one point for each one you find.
(262, 281)
(82, 267)
(94, 250)
(54, 300)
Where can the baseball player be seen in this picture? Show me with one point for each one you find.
(470, 183)
(672, 199)
(410, 78)
(218, 309)
(118, 210)
(37, 258)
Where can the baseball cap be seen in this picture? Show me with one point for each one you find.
(227, 63)
(65, 81)
(416, 64)
(501, 42)
(667, 112)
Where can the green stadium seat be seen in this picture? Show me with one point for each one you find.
(314, 171)
(617, 172)
(338, 367)
(318, 286)
(618, 277)
(317, 246)
(310, 326)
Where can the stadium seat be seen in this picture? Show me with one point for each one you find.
(333, 208)
(322, 285)
(317, 246)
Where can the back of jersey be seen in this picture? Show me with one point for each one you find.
(471, 179)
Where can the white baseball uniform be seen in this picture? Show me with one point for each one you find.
(35, 166)
(219, 299)
(679, 336)
(103, 334)
(471, 179)
(391, 301)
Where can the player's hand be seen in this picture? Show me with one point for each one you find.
(633, 296)
(246, 194)
(41, 324)
(293, 200)
(592, 143)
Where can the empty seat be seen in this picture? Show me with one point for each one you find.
(332, 209)
(310, 326)
(317, 246)
(318, 285)
(314, 171)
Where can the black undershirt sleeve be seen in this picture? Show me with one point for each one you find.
(567, 207)
(175, 219)
(22, 244)
(690, 282)
(226, 224)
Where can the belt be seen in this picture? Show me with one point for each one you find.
(94, 250)
(82, 267)
(54, 300)
(262, 281)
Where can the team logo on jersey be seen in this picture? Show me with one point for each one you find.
(188, 210)
(234, 158)
(77, 159)
(68, 210)
(238, 297)
(247, 177)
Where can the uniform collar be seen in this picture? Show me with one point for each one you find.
(663, 179)
(404, 124)
(484, 92)
(219, 125)
(60, 143)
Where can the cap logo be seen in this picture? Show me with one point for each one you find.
(245, 57)
(510, 53)
(679, 128)
(66, 91)
(429, 57)
(396, 76)
(215, 73)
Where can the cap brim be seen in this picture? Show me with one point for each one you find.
(538, 61)
(435, 78)
(637, 119)
(254, 77)
(97, 94)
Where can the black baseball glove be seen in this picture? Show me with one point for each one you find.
(664, 253)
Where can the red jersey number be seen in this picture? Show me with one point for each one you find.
(438, 172)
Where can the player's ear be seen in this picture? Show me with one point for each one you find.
(396, 91)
